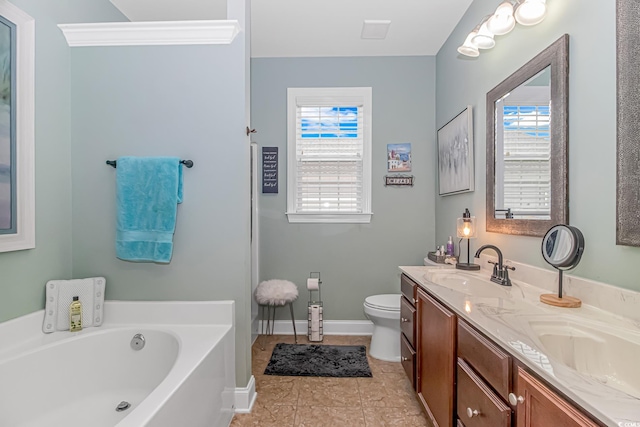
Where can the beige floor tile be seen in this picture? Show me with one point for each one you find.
(322, 416)
(382, 367)
(392, 417)
(276, 390)
(266, 416)
(334, 392)
(387, 390)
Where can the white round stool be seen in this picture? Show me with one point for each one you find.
(273, 294)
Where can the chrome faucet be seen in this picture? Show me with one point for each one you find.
(500, 273)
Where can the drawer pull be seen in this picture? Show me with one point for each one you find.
(404, 320)
(404, 359)
(515, 400)
(472, 412)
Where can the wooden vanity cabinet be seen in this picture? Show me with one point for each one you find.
(436, 359)
(539, 406)
(456, 370)
(408, 327)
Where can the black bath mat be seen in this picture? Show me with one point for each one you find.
(305, 360)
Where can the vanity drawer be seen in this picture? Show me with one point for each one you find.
(478, 405)
(409, 289)
(487, 360)
(408, 320)
(408, 360)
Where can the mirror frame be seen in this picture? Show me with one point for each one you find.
(556, 56)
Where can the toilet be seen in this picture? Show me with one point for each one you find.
(384, 311)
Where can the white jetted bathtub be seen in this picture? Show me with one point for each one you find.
(183, 376)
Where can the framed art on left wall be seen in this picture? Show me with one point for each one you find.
(17, 175)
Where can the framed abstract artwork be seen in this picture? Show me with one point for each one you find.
(17, 187)
(455, 155)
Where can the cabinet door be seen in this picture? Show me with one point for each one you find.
(540, 407)
(436, 357)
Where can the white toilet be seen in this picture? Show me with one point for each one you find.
(384, 312)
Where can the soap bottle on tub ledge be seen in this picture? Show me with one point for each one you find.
(75, 315)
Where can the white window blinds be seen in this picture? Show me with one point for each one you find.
(329, 152)
(329, 148)
(527, 161)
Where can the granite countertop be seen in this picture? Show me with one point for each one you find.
(512, 315)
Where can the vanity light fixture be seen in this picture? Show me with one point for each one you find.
(501, 22)
(484, 38)
(468, 48)
(466, 229)
(531, 12)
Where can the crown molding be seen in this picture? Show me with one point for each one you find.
(151, 33)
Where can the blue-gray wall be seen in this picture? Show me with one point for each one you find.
(356, 260)
(592, 129)
(24, 273)
(184, 101)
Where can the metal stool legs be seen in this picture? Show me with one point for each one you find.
(267, 328)
(293, 322)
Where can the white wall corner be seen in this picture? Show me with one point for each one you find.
(162, 33)
(246, 397)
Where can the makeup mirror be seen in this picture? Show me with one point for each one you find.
(527, 137)
(562, 248)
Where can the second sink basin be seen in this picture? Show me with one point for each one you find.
(608, 358)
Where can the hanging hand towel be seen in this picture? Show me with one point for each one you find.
(148, 192)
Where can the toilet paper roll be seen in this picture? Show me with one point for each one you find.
(313, 284)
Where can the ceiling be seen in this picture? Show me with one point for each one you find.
(305, 28)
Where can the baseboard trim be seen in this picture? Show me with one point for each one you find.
(246, 397)
(330, 327)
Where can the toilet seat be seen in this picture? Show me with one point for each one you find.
(386, 302)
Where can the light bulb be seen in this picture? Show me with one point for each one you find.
(531, 12)
(484, 38)
(502, 20)
(468, 48)
(466, 231)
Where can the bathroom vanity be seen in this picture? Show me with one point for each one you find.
(480, 354)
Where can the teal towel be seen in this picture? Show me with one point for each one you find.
(148, 192)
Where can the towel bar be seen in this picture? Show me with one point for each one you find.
(187, 163)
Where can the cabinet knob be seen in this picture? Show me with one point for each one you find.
(404, 359)
(514, 400)
(403, 320)
(472, 412)
(415, 301)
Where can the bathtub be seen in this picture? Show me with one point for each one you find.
(183, 376)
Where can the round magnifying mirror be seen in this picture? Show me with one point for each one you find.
(562, 246)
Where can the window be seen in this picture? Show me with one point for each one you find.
(329, 155)
(526, 167)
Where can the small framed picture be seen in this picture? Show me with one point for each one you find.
(455, 155)
(399, 157)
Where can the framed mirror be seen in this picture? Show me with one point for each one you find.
(527, 146)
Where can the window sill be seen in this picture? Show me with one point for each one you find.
(364, 218)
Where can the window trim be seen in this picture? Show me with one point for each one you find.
(337, 96)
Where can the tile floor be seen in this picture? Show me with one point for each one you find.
(386, 399)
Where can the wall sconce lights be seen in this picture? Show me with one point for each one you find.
(503, 20)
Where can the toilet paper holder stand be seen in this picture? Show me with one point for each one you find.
(315, 331)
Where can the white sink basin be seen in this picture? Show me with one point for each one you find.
(472, 284)
(609, 357)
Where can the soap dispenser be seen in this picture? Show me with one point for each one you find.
(450, 247)
(75, 315)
